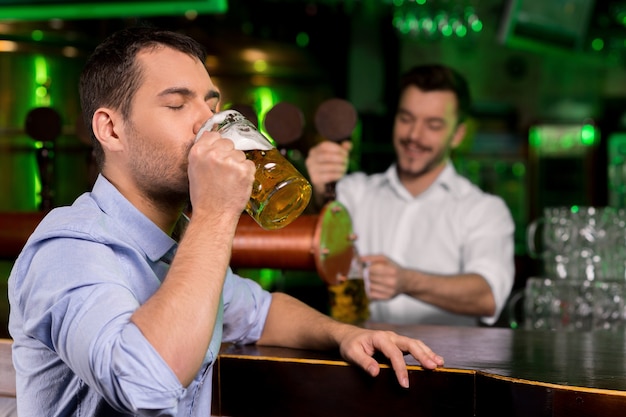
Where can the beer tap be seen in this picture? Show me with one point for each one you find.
(43, 125)
(335, 120)
(285, 124)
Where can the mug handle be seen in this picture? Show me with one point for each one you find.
(531, 236)
(515, 321)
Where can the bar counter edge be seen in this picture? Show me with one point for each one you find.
(488, 372)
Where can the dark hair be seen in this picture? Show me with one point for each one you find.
(111, 75)
(436, 77)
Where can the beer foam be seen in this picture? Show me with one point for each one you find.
(233, 125)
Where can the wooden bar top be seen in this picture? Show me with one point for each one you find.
(577, 359)
(488, 372)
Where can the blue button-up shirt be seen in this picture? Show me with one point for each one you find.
(72, 291)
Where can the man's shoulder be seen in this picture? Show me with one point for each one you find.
(467, 189)
(83, 218)
(471, 197)
(364, 178)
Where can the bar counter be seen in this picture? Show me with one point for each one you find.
(488, 372)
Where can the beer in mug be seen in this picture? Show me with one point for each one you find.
(279, 193)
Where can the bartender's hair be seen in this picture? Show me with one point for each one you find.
(112, 76)
(437, 77)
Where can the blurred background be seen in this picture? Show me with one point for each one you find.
(548, 80)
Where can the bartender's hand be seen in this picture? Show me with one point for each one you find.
(327, 162)
(386, 278)
(220, 176)
(359, 345)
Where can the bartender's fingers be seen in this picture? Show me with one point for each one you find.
(327, 162)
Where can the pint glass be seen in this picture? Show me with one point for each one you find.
(349, 302)
(279, 193)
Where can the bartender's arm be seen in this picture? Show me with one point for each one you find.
(326, 162)
(467, 294)
(291, 323)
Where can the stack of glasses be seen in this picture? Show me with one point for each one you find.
(583, 285)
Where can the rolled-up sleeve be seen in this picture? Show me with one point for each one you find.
(489, 248)
(246, 305)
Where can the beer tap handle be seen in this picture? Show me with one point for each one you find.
(43, 124)
(285, 124)
(335, 120)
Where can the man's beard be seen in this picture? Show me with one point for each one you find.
(165, 186)
(433, 162)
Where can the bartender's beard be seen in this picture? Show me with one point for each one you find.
(407, 172)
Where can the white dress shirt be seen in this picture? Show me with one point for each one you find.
(451, 228)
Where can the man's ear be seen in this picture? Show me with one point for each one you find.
(459, 135)
(106, 125)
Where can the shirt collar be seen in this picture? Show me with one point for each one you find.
(447, 181)
(142, 231)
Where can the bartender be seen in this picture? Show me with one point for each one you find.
(438, 249)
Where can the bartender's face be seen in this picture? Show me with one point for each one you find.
(425, 130)
(175, 98)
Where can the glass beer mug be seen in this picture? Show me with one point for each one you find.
(279, 193)
(349, 302)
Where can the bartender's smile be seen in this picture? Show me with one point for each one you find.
(414, 148)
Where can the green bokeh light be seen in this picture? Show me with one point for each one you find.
(461, 31)
(597, 44)
(588, 135)
(36, 35)
(260, 65)
(477, 25)
(83, 10)
(302, 39)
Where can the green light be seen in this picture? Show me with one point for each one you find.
(422, 2)
(260, 65)
(575, 209)
(36, 35)
(396, 20)
(41, 91)
(519, 169)
(268, 277)
(588, 135)
(84, 10)
(428, 25)
(41, 70)
(597, 44)
(563, 138)
(406, 23)
(411, 23)
(446, 30)
(461, 31)
(265, 99)
(534, 138)
(500, 167)
(302, 39)
(477, 25)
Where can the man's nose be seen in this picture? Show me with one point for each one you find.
(415, 130)
(203, 116)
